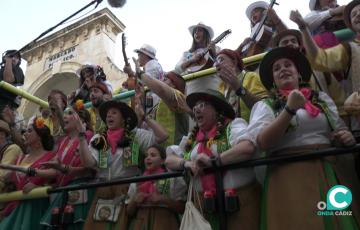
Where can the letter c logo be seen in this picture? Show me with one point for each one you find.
(338, 198)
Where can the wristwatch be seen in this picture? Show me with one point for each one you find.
(241, 91)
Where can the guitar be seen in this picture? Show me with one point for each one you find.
(205, 61)
(123, 43)
(261, 35)
(131, 80)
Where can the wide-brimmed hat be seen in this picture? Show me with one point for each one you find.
(300, 61)
(279, 36)
(216, 98)
(148, 50)
(177, 80)
(347, 11)
(202, 25)
(312, 4)
(4, 127)
(128, 113)
(254, 5)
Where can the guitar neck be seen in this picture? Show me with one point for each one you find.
(261, 23)
(123, 41)
(217, 40)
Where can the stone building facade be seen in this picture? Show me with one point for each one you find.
(53, 61)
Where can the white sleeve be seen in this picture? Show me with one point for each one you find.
(186, 56)
(261, 116)
(131, 192)
(333, 112)
(145, 138)
(94, 152)
(154, 69)
(238, 131)
(315, 18)
(178, 150)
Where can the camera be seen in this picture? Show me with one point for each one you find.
(11, 54)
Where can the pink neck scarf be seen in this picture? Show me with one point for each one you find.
(207, 181)
(113, 137)
(148, 187)
(311, 109)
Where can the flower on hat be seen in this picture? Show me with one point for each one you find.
(39, 122)
(79, 104)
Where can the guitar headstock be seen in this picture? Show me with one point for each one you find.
(123, 43)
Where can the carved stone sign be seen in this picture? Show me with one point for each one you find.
(65, 55)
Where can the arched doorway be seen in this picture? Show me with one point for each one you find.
(65, 81)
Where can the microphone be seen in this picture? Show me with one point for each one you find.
(117, 3)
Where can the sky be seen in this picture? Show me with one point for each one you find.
(160, 23)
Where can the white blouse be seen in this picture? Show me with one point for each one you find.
(115, 168)
(209, 82)
(232, 178)
(304, 129)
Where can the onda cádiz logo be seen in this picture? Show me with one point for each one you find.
(338, 199)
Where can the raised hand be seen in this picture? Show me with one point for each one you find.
(228, 74)
(79, 125)
(127, 69)
(137, 65)
(337, 10)
(296, 17)
(296, 100)
(139, 111)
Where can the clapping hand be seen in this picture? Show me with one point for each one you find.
(296, 100)
(296, 17)
(79, 125)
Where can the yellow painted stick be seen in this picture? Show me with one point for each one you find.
(40, 192)
(23, 94)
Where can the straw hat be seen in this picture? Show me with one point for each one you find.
(202, 25)
(148, 50)
(254, 5)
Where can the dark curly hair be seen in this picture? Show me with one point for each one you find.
(47, 139)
